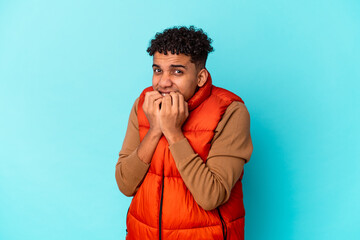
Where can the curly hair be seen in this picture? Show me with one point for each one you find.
(190, 41)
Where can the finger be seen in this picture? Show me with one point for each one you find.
(175, 100)
(157, 95)
(154, 92)
(157, 103)
(146, 100)
(186, 109)
(181, 103)
(166, 103)
(154, 95)
(149, 95)
(150, 98)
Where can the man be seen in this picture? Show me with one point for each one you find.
(185, 147)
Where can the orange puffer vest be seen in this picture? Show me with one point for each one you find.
(163, 207)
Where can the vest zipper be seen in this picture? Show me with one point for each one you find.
(161, 204)
(223, 225)
(126, 219)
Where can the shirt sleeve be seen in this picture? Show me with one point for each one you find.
(130, 170)
(210, 183)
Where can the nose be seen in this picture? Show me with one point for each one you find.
(165, 81)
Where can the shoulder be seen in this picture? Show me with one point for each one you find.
(134, 108)
(237, 107)
(233, 131)
(237, 110)
(236, 114)
(136, 105)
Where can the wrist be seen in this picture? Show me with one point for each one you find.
(155, 133)
(174, 137)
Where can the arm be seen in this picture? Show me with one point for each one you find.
(135, 157)
(211, 183)
(130, 170)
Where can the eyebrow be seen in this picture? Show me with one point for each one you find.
(171, 66)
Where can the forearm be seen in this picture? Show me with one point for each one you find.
(129, 173)
(131, 169)
(209, 184)
(231, 146)
(132, 164)
(148, 145)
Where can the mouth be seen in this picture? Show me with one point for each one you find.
(164, 93)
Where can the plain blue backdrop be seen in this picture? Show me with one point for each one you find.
(71, 70)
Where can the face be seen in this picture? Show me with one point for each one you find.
(175, 73)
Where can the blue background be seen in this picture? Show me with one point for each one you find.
(71, 70)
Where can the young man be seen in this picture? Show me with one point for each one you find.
(185, 147)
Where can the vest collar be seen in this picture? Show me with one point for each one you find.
(201, 94)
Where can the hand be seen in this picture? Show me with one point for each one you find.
(151, 109)
(173, 113)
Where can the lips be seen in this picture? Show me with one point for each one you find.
(164, 93)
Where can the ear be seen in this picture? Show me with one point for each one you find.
(202, 77)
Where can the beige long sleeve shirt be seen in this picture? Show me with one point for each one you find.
(210, 183)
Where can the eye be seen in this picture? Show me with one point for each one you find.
(178, 71)
(157, 70)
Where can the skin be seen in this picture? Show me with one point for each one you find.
(175, 80)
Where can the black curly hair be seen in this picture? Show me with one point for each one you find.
(190, 41)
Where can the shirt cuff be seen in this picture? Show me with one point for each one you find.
(181, 150)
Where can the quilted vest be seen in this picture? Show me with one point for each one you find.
(163, 207)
